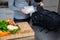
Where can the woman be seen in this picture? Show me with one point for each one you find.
(19, 12)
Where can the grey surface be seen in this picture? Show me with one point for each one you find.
(3, 0)
(6, 13)
(45, 36)
(51, 5)
(59, 7)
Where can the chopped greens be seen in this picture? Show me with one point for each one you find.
(3, 27)
(14, 31)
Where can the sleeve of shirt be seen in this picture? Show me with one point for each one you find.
(11, 5)
(33, 3)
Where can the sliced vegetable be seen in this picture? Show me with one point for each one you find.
(11, 27)
(4, 33)
(3, 25)
(14, 31)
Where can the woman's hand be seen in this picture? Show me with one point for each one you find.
(41, 4)
(24, 11)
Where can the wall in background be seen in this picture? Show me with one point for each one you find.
(3, 0)
(51, 5)
(3, 3)
(59, 7)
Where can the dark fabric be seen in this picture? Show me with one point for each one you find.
(46, 19)
(14, 3)
(22, 20)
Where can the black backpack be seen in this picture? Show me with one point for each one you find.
(46, 19)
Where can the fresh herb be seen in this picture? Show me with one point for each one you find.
(3, 27)
(14, 31)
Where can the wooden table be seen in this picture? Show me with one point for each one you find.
(26, 33)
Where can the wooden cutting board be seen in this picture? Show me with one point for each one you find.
(25, 31)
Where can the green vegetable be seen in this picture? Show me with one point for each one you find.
(14, 31)
(3, 27)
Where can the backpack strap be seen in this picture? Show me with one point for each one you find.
(14, 3)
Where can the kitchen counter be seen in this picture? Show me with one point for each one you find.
(26, 33)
